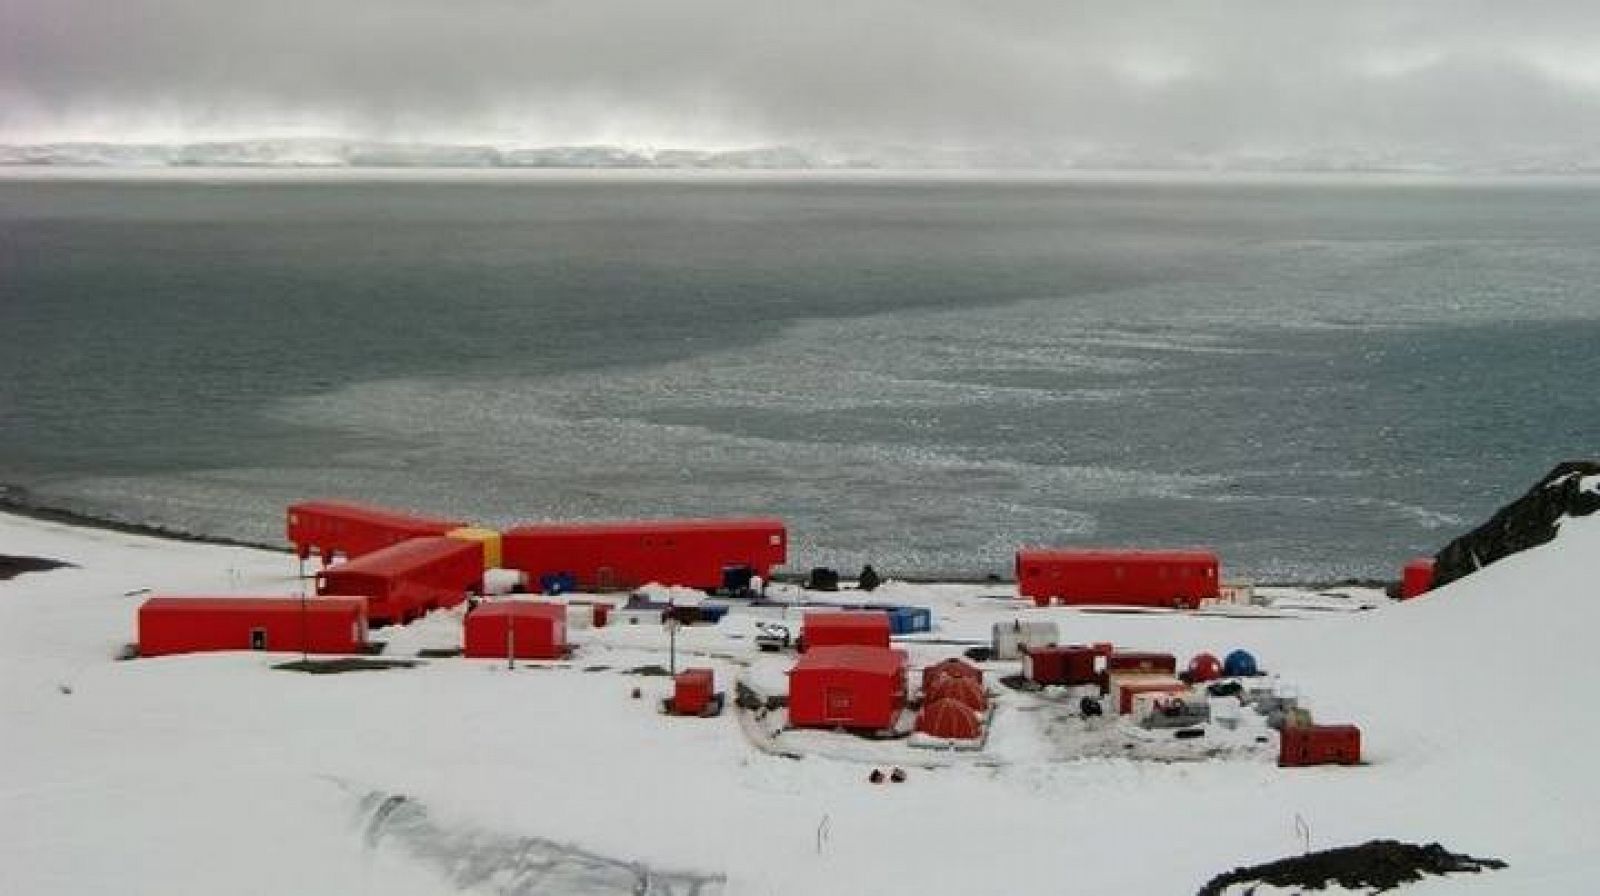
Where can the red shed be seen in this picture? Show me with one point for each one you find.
(341, 527)
(691, 691)
(621, 555)
(1319, 745)
(403, 581)
(949, 719)
(1417, 578)
(1118, 577)
(847, 686)
(1129, 661)
(530, 630)
(950, 667)
(1075, 665)
(290, 624)
(827, 628)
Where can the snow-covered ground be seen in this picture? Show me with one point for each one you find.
(218, 774)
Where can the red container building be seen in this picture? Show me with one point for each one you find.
(1075, 665)
(1122, 578)
(621, 555)
(1129, 661)
(847, 686)
(691, 691)
(403, 581)
(528, 630)
(1319, 745)
(1417, 578)
(289, 624)
(341, 527)
(830, 628)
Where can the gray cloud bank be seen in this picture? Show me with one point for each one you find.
(1361, 83)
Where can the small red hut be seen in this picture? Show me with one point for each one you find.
(829, 628)
(1417, 578)
(949, 719)
(525, 629)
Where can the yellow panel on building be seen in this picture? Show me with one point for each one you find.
(489, 538)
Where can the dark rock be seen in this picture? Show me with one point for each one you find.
(1380, 864)
(1525, 523)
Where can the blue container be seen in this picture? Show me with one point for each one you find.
(1239, 664)
(553, 583)
(712, 613)
(909, 620)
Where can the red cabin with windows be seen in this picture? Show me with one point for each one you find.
(621, 555)
(341, 527)
(285, 624)
(528, 630)
(404, 581)
(848, 686)
(1417, 578)
(831, 628)
(1123, 578)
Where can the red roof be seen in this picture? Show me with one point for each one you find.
(1116, 555)
(207, 604)
(527, 609)
(854, 657)
(649, 527)
(846, 619)
(368, 513)
(406, 553)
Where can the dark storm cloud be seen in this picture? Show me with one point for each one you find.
(1161, 76)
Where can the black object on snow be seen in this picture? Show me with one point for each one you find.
(823, 579)
(1225, 689)
(1381, 864)
(1525, 523)
(869, 580)
(1089, 706)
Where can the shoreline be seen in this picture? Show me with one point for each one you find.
(13, 501)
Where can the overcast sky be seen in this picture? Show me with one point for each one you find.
(1157, 76)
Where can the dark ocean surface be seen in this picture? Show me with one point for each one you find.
(1318, 377)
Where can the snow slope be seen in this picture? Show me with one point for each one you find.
(210, 774)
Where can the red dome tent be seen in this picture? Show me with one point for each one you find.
(965, 691)
(949, 667)
(949, 719)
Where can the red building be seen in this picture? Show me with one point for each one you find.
(1417, 579)
(1075, 665)
(622, 555)
(1124, 578)
(830, 628)
(403, 581)
(691, 691)
(965, 691)
(341, 527)
(287, 624)
(847, 686)
(1319, 745)
(527, 629)
(1129, 661)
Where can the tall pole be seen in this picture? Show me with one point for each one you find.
(511, 642)
(305, 625)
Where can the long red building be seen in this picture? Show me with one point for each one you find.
(343, 527)
(621, 555)
(403, 581)
(170, 625)
(1118, 577)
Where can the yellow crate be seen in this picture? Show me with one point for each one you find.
(489, 538)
